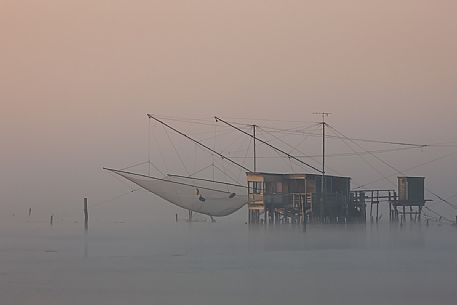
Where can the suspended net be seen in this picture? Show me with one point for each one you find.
(203, 196)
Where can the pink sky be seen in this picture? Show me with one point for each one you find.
(77, 77)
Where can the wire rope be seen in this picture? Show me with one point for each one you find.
(176, 151)
(402, 173)
(244, 159)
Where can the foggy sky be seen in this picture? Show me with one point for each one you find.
(78, 77)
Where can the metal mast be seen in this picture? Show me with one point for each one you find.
(149, 146)
(255, 158)
(324, 115)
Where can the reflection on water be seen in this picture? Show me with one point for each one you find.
(225, 263)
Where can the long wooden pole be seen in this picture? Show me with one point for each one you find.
(268, 144)
(199, 143)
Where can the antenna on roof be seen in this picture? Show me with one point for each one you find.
(255, 156)
(324, 115)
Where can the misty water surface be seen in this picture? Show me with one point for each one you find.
(141, 262)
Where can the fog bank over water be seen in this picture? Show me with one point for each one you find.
(77, 78)
(224, 263)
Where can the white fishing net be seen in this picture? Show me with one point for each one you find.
(202, 196)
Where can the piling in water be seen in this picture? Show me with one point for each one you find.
(86, 215)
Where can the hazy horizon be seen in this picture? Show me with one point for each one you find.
(78, 78)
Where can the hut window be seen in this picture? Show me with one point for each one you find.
(255, 187)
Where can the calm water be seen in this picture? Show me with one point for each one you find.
(128, 262)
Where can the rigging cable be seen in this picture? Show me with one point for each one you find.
(288, 155)
(417, 166)
(345, 154)
(439, 215)
(224, 173)
(454, 206)
(287, 164)
(199, 143)
(157, 143)
(294, 148)
(271, 146)
(167, 180)
(109, 200)
(176, 151)
(364, 159)
(265, 120)
(297, 132)
(244, 159)
(200, 170)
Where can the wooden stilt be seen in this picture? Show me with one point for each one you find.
(86, 215)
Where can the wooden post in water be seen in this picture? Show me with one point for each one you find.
(377, 211)
(371, 208)
(51, 221)
(86, 215)
(30, 211)
(304, 222)
(390, 207)
(377, 206)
